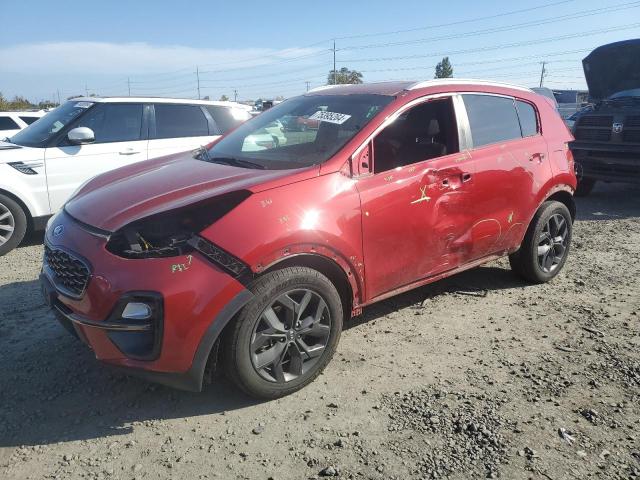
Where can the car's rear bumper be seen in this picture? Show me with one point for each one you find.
(609, 162)
(190, 308)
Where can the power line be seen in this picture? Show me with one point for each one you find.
(460, 22)
(496, 47)
(532, 23)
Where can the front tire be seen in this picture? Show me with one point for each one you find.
(13, 224)
(545, 247)
(284, 338)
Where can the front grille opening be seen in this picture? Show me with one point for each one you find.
(595, 121)
(593, 134)
(70, 274)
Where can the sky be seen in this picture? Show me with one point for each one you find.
(248, 50)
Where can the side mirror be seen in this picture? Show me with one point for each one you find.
(81, 135)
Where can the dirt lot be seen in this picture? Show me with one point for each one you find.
(477, 376)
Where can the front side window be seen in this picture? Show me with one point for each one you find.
(8, 123)
(113, 122)
(40, 133)
(228, 118)
(528, 118)
(424, 132)
(176, 121)
(492, 119)
(300, 132)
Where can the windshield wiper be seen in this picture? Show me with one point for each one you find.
(234, 162)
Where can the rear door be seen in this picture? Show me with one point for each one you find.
(506, 178)
(120, 131)
(179, 128)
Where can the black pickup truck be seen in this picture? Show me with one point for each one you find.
(607, 138)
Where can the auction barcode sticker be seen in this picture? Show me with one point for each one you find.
(331, 117)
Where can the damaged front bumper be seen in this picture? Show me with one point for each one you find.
(168, 333)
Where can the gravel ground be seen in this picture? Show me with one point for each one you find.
(476, 376)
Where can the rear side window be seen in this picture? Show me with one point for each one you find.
(29, 120)
(528, 118)
(7, 123)
(174, 121)
(228, 118)
(113, 122)
(491, 119)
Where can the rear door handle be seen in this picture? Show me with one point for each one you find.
(129, 151)
(466, 177)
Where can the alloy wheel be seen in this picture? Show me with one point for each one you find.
(552, 243)
(7, 224)
(290, 335)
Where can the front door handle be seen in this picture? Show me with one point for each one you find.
(129, 151)
(466, 177)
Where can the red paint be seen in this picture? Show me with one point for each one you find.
(388, 232)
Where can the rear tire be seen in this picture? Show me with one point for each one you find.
(585, 186)
(283, 338)
(545, 247)
(13, 224)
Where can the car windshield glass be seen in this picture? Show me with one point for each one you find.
(635, 92)
(37, 134)
(299, 132)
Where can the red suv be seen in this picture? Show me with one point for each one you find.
(253, 257)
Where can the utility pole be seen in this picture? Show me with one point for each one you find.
(86, 90)
(335, 74)
(198, 79)
(542, 74)
(307, 82)
(235, 95)
(129, 85)
(58, 92)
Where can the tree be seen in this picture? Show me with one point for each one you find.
(444, 69)
(344, 76)
(224, 98)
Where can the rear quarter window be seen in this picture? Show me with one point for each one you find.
(492, 119)
(528, 118)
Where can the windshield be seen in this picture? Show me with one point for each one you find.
(300, 132)
(635, 92)
(39, 132)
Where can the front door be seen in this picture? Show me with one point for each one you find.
(416, 204)
(120, 140)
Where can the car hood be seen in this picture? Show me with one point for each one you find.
(117, 198)
(612, 68)
(10, 152)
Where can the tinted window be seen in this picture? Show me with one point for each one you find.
(300, 132)
(492, 119)
(422, 133)
(173, 121)
(228, 118)
(528, 118)
(114, 122)
(29, 120)
(7, 123)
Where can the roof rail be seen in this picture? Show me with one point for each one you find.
(464, 81)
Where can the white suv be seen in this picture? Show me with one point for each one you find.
(42, 165)
(12, 122)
